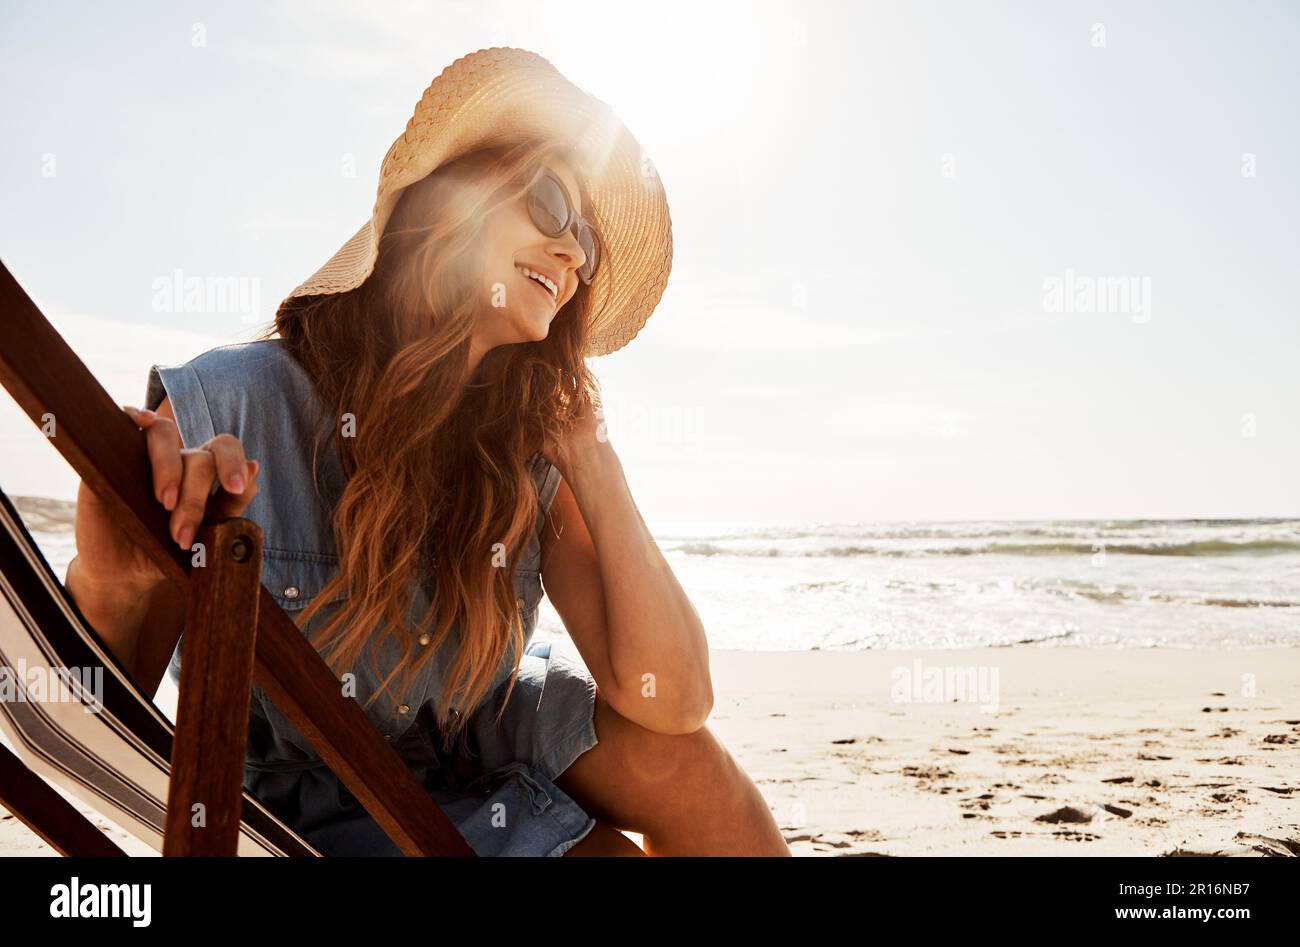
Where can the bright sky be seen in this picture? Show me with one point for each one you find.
(873, 209)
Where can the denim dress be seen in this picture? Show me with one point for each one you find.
(497, 784)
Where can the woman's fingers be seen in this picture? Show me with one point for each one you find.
(228, 504)
(164, 443)
(192, 503)
(184, 478)
(232, 465)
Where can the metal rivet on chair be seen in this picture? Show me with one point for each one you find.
(291, 592)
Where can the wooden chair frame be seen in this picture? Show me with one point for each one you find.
(235, 633)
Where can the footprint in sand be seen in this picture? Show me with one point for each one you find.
(845, 839)
(981, 803)
(1266, 845)
(929, 777)
(1230, 797)
(1069, 814)
(986, 800)
(927, 772)
(1070, 835)
(1247, 844)
(1084, 814)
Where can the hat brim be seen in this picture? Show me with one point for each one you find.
(501, 95)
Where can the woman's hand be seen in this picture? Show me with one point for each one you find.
(182, 483)
(586, 435)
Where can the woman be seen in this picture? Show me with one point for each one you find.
(417, 435)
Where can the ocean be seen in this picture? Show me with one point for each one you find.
(1129, 583)
(927, 585)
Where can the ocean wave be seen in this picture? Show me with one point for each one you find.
(1060, 588)
(1136, 531)
(1203, 547)
(1120, 594)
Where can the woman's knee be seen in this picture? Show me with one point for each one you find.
(605, 841)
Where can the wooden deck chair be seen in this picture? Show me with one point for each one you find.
(235, 632)
(98, 737)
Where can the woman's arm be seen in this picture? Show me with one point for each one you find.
(638, 633)
(139, 625)
(138, 615)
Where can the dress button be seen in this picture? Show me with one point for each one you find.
(388, 736)
(291, 592)
(425, 639)
(404, 708)
(520, 603)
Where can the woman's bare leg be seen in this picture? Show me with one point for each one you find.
(605, 841)
(684, 793)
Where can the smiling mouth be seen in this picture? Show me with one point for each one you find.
(541, 289)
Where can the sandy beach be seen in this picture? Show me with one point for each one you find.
(1098, 752)
(1065, 751)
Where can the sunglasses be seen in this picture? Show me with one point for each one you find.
(553, 214)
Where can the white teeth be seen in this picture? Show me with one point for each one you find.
(550, 287)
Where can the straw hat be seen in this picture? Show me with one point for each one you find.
(498, 95)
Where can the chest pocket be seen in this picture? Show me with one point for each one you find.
(294, 579)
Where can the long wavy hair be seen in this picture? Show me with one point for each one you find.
(436, 458)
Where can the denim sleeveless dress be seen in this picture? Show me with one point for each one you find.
(497, 784)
